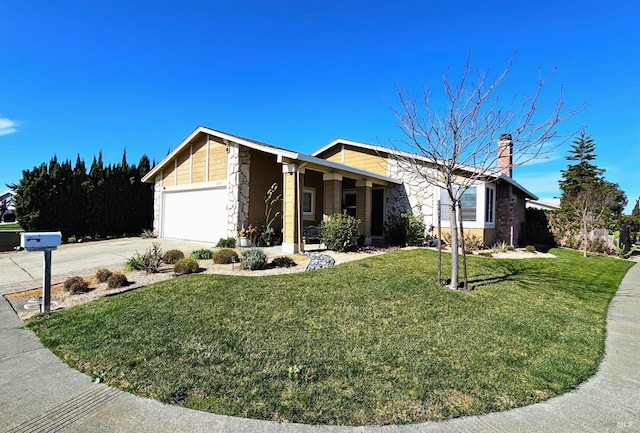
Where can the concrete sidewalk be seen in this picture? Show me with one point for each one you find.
(40, 393)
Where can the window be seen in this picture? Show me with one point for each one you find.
(467, 204)
(349, 203)
(308, 202)
(489, 204)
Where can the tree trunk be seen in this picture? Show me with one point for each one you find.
(464, 250)
(585, 238)
(455, 265)
(439, 244)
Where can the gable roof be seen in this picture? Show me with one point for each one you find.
(283, 155)
(381, 150)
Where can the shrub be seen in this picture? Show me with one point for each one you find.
(404, 229)
(172, 256)
(338, 231)
(530, 249)
(471, 241)
(72, 240)
(116, 280)
(226, 243)
(202, 254)
(148, 234)
(150, 261)
(254, 259)
(187, 265)
(103, 274)
(76, 285)
(283, 262)
(225, 256)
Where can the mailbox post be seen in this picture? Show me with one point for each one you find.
(45, 242)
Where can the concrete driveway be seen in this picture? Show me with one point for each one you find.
(22, 270)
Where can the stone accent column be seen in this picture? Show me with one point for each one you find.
(332, 194)
(157, 205)
(363, 208)
(238, 170)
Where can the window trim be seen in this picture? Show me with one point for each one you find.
(489, 204)
(309, 215)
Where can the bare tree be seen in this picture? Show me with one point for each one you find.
(590, 206)
(457, 146)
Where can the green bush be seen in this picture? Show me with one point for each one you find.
(225, 256)
(226, 243)
(187, 265)
(76, 285)
(148, 234)
(404, 229)
(283, 262)
(530, 249)
(103, 274)
(338, 231)
(254, 259)
(202, 254)
(172, 256)
(116, 280)
(150, 261)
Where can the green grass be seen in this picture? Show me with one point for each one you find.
(10, 227)
(368, 342)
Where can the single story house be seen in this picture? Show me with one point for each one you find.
(213, 184)
(6, 198)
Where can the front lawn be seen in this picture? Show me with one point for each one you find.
(10, 227)
(367, 342)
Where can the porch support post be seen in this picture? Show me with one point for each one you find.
(292, 181)
(332, 194)
(363, 208)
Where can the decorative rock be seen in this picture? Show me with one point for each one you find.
(319, 261)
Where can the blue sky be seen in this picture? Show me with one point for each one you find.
(82, 77)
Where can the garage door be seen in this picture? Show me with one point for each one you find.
(198, 215)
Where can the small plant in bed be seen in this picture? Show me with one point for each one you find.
(202, 254)
(225, 256)
(103, 274)
(283, 262)
(150, 261)
(172, 256)
(76, 285)
(254, 259)
(188, 265)
(117, 280)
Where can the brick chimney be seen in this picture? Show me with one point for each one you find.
(505, 155)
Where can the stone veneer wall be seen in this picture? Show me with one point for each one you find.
(238, 164)
(157, 204)
(415, 194)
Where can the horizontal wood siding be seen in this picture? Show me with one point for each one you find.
(366, 160)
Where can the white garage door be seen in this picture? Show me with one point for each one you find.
(198, 215)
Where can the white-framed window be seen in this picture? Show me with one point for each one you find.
(468, 203)
(309, 203)
(489, 204)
